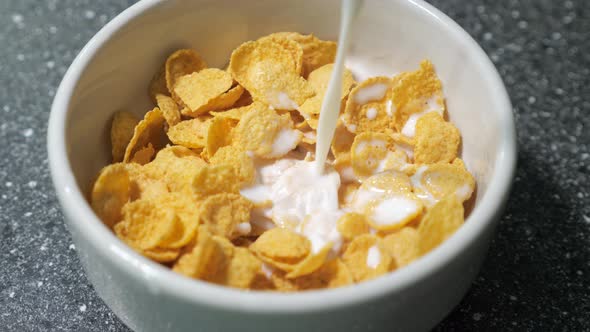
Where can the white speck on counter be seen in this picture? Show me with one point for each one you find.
(83, 308)
(28, 132)
(28, 214)
(17, 19)
(32, 184)
(20, 57)
(40, 283)
(50, 64)
(89, 14)
(373, 257)
(8, 184)
(72, 247)
(476, 316)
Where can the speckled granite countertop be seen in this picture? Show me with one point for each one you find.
(537, 274)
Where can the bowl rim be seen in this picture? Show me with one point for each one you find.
(79, 214)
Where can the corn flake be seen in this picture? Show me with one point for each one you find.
(266, 70)
(316, 52)
(266, 133)
(439, 223)
(239, 160)
(367, 153)
(206, 259)
(367, 106)
(281, 248)
(366, 258)
(144, 155)
(169, 109)
(436, 181)
(149, 130)
(158, 84)
(311, 263)
(198, 90)
(403, 246)
(416, 92)
(352, 224)
(437, 141)
(110, 193)
(122, 130)
(215, 179)
(218, 134)
(180, 63)
(189, 133)
(332, 274)
(224, 212)
(147, 226)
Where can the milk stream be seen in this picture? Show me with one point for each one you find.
(331, 104)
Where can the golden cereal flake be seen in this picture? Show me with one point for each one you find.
(367, 106)
(198, 89)
(215, 179)
(222, 102)
(122, 129)
(437, 141)
(161, 255)
(146, 225)
(439, 223)
(110, 193)
(332, 274)
(416, 92)
(206, 259)
(144, 155)
(311, 263)
(266, 133)
(290, 45)
(319, 79)
(436, 181)
(316, 52)
(237, 158)
(225, 213)
(242, 269)
(218, 134)
(158, 84)
(169, 109)
(266, 70)
(180, 63)
(351, 225)
(393, 211)
(343, 139)
(403, 246)
(279, 247)
(189, 133)
(238, 112)
(368, 151)
(149, 130)
(366, 258)
(177, 166)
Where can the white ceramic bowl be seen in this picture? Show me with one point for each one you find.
(112, 72)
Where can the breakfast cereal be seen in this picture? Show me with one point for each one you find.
(218, 182)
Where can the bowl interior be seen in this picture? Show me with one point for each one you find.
(390, 36)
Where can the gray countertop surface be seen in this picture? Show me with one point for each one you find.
(537, 274)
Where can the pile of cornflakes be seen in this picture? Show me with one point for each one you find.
(174, 190)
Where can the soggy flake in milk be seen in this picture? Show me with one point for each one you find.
(409, 128)
(283, 102)
(424, 195)
(371, 113)
(373, 257)
(394, 210)
(285, 141)
(370, 93)
(320, 229)
(389, 108)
